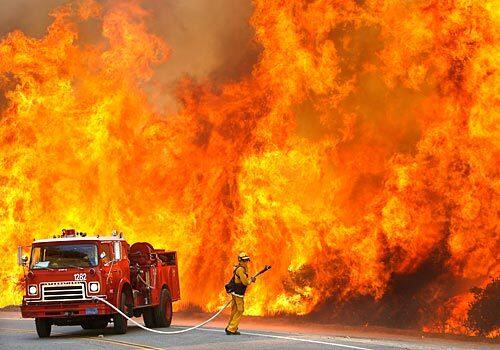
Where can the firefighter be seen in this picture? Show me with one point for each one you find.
(241, 280)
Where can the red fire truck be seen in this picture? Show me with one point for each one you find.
(66, 272)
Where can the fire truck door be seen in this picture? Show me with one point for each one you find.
(110, 267)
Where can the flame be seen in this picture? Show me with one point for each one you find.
(359, 157)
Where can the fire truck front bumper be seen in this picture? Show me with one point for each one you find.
(84, 308)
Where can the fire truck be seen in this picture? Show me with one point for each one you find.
(65, 273)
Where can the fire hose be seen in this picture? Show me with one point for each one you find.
(219, 312)
(267, 267)
(155, 330)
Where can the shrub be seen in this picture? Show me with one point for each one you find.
(484, 313)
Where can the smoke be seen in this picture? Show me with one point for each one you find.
(210, 40)
(30, 16)
(207, 38)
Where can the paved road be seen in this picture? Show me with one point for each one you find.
(20, 334)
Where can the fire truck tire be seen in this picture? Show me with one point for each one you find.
(149, 317)
(120, 322)
(163, 312)
(43, 327)
(95, 325)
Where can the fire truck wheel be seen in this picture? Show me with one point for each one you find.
(149, 317)
(43, 327)
(163, 312)
(120, 322)
(95, 325)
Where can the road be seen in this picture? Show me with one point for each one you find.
(16, 333)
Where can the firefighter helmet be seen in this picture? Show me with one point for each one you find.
(243, 257)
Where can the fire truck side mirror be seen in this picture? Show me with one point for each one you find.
(21, 260)
(118, 250)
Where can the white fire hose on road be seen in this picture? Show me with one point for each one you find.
(155, 330)
(217, 314)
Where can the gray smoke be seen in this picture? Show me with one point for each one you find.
(29, 16)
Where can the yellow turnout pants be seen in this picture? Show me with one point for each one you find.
(237, 308)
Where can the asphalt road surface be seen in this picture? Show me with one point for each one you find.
(16, 333)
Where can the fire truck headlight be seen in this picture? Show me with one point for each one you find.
(94, 287)
(33, 290)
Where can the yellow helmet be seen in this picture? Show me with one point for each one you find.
(243, 257)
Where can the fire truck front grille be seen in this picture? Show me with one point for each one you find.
(63, 291)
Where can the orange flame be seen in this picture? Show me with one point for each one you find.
(359, 158)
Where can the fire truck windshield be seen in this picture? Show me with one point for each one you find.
(64, 256)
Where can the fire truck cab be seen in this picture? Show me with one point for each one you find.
(66, 272)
